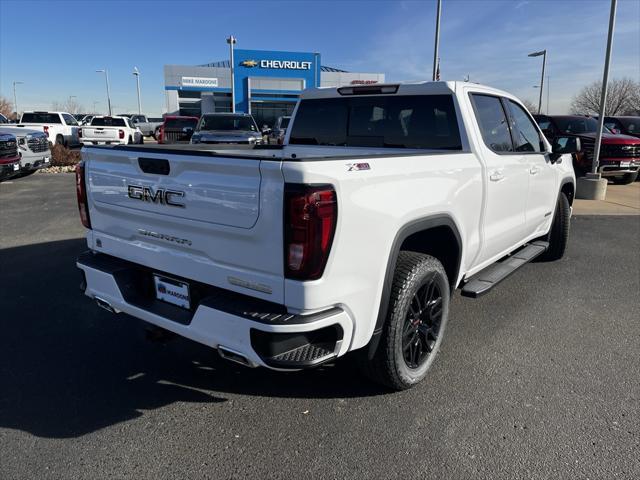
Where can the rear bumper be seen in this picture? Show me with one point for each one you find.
(89, 141)
(35, 161)
(243, 329)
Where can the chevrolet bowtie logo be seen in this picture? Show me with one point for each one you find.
(249, 63)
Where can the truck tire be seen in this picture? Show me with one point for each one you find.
(59, 140)
(129, 140)
(558, 235)
(626, 179)
(417, 315)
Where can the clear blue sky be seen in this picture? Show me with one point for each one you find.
(56, 46)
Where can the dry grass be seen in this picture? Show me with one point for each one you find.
(62, 156)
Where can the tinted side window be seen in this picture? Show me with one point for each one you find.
(69, 120)
(525, 133)
(402, 121)
(493, 123)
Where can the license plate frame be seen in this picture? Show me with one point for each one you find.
(172, 291)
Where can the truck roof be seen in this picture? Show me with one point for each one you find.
(401, 88)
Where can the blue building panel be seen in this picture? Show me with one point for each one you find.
(272, 64)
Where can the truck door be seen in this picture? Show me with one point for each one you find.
(543, 180)
(506, 179)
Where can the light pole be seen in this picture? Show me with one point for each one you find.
(548, 95)
(15, 98)
(544, 61)
(437, 43)
(137, 75)
(106, 78)
(603, 95)
(232, 41)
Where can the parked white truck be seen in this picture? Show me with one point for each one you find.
(350, 237)
(60, 127)
(104, 130)
(33, 148)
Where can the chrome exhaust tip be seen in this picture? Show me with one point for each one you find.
(234, 356)
(102, 303)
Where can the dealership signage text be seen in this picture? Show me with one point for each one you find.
(199, 82)
(278, 64)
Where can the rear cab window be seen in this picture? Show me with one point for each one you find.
(108, 122)
(180, 123)
(41, 117)
(399, 121)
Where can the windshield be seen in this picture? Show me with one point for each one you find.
(403, 121)
(108, 122)
(228, 122)
(632, 125)
(180, 123)
(576, 125)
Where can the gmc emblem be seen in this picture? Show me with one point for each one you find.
(161, 196)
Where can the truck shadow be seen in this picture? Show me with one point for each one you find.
(67, 368)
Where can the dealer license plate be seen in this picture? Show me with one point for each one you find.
(171, 291)
(46, 159)
(16, 167)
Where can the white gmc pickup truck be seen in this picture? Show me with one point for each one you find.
(350, 237)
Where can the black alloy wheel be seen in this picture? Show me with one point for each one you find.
(422, 324)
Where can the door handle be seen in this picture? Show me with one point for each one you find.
(496, 176)
(534, 170)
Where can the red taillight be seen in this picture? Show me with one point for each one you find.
(81, 193)
(46, 131)
(310, 216)
(160, 134)
(80, 133)
(121, 134)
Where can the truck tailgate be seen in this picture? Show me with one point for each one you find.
(101, 133)
(210, 218)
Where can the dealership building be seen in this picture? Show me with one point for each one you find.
(267, 83)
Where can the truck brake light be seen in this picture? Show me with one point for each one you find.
(121, 134)
(81, 193)
(310, 216)
(79, 133)
(46, 131)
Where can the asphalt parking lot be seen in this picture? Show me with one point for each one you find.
(538, 379)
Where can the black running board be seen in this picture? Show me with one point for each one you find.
(488, 278)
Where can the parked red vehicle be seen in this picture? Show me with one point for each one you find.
(619, 154)
(177, 129)
(626, 125)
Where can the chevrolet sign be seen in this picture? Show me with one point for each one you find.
(277, 64)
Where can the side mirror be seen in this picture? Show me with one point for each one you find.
(562, 146)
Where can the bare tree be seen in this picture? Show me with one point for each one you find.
(6, 107)
(70, 106)
(529, 105)
(623, 96)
